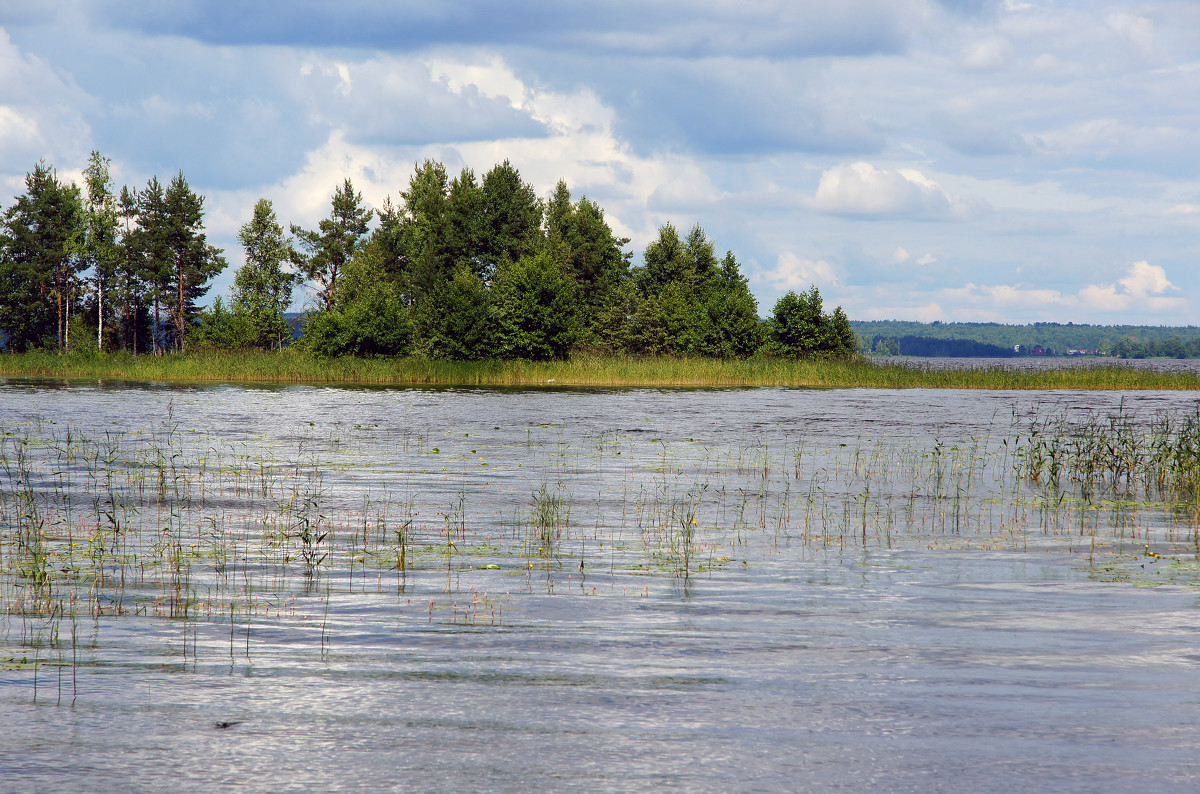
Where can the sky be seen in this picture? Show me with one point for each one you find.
(953, 160)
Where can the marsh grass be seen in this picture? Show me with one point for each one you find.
(187, 529)
(582, 371)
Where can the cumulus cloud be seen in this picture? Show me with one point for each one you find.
(1141, 292)
(1141, 296)
(863, 189)
(1146, 278)
(796, 274)
(41, 114)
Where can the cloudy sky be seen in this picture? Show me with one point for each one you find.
(982, 160)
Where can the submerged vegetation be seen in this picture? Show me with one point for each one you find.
(170, 524)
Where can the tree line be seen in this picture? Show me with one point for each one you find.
(458, 267)
(902, 337)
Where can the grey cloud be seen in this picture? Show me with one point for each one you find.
(796, 28)
(976, 138)
(730, 107)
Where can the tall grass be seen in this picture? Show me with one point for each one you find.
(582, 370)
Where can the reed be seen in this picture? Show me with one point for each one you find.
(582, 370)
(196, 532)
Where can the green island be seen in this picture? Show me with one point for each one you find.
(462, 282)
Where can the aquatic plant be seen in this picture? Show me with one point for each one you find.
(189, 528)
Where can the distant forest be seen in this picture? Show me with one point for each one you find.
(900, 337)
(458, 268)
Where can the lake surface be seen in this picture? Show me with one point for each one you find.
(711, 590)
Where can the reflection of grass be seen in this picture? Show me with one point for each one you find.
(291, 366)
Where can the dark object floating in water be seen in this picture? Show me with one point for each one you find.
(223, 725)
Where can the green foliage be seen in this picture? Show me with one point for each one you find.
(799, 329)
(1127, 341)
(262, 289)
(101, 250)
(536, 306)
(456, 321)
(664, 262)
(732, 328)
(610, 331)
(680, 302)
(192, 262)
(221, 329)
(368, 317)
(594, 259)
(666, 321)
(82, 341)
(459, 269)
(326, 250)
(511, 218)
(40, 262)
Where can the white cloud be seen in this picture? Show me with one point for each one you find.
(793, 273)
(1103, 298)
(1138, 294)
(1144, 278)
(900, 256)
(863, 189)
(1184, 209)
(16, 128)
(41, 115)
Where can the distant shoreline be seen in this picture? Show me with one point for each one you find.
(582, 371)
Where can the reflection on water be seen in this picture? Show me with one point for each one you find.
(868, 597)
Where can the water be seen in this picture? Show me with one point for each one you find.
(973, 642)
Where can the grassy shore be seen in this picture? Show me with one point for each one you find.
(582, 370)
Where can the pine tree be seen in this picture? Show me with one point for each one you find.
(41, 263)
(327, 250)
(512, 218)
(192, 262)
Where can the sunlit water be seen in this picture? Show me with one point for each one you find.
(939, 646)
